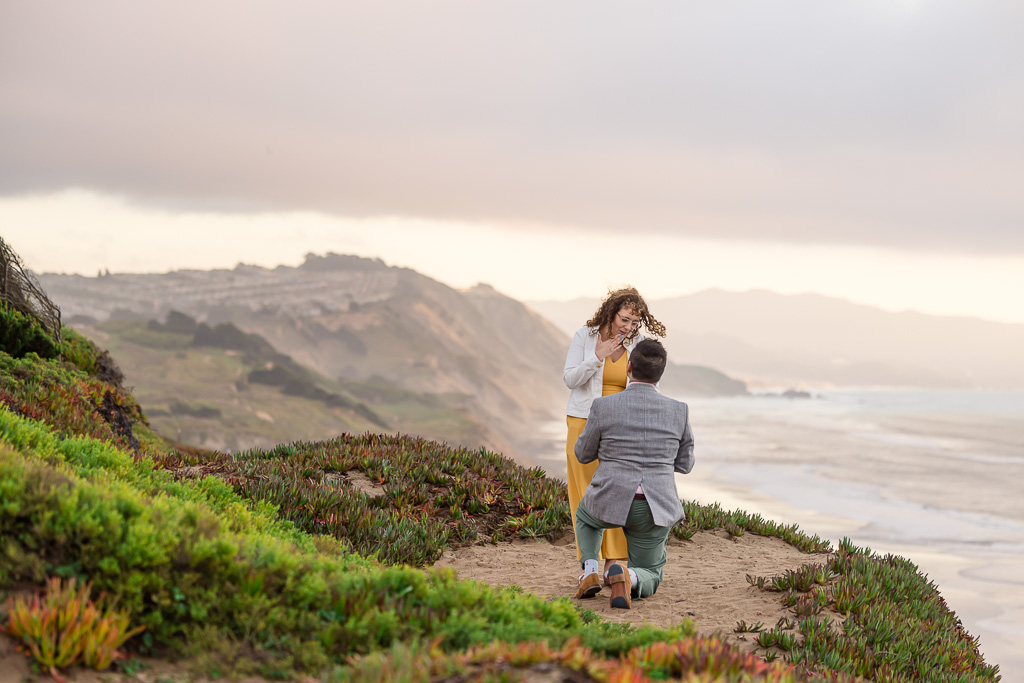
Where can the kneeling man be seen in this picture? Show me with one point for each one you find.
(640, 439)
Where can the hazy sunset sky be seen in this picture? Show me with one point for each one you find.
(870, 149)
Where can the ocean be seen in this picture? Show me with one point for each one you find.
(932, 476)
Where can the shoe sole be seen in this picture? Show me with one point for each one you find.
(590, 592)
(619, 601)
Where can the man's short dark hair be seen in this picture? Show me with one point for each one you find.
(648, 360)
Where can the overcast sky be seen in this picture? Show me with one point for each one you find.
(870, 149)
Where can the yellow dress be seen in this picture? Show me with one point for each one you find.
(579, 475)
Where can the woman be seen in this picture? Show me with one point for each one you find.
(596, 366)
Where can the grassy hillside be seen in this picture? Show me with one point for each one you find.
(223, 389)
(356, 319)
(276, 562)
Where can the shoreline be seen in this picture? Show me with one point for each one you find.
(934, 487)
(981, 585)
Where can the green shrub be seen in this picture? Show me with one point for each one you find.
(66, 398)
(21, 334)
(279, 370)
(200, 410)
(79, 352)
(228, 336)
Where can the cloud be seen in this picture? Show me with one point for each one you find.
(838, 123)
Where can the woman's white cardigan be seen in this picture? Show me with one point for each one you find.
(584, 372)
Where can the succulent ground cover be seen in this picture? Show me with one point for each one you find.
(737, 522)
(434, 496)
(271, 562)
(690, 659)
(895, 627)
(63, 626)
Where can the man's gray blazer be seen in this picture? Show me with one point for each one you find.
(639, 437)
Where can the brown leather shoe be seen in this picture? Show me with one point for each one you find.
(618, 577)
(605, 575)
(590, 585)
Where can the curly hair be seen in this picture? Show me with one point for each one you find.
(627, 297)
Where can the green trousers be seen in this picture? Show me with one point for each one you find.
(645, 542)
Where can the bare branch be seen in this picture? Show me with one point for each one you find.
(20, 290)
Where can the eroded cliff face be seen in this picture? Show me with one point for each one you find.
(358, 319)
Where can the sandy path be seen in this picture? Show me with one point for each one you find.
(705, 579)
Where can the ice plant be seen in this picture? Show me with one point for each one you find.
(64, 626)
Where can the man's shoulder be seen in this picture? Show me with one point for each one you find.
(673, 404)
(673, 400)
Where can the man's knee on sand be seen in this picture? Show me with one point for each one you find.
(647, 589)
(647, 582)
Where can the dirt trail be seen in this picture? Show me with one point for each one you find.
(705, 579)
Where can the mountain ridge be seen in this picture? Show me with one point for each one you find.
(347, 318)
(770, 338)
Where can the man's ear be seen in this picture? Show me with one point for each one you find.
(629, 369)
